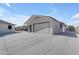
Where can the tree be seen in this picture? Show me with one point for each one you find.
(70, 28)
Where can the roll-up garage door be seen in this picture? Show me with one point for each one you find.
(42, 27)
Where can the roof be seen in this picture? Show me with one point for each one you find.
(37, 16)
(55, 19)
(1, 21)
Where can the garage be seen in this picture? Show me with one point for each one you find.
(44, 24)
(42, 27)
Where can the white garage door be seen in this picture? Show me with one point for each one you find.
(42, 27)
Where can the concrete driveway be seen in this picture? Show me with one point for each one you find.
(26, 43)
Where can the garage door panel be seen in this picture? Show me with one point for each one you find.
(41, 27)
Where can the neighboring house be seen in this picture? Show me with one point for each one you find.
(21, 28)
(6, 27)
(44, 24)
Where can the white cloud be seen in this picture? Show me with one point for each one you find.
(76, 23)
(8, 5)
(17, 19)
(76, 16)
(14, 18)
(6, 15)
(75, 19)
(2, 11)
(52, 11)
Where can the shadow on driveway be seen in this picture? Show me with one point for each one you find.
(69, 34)
(5, 34)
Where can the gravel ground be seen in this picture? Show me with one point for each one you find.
(26, 43)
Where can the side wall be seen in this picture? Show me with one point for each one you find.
(4, 28)
(56, 27)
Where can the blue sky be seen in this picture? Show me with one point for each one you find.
(18, 13)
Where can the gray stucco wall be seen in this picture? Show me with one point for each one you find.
(40, 20)
(54, 25)
(36, 20)
(4, 28)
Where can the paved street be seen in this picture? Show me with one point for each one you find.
(39, 44)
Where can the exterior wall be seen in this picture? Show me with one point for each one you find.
(40, 20)
(64, 28)
(4, 28)
(56, 27)
(51, 27)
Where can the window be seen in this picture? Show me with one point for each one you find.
(9, 27)
(60, 25)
